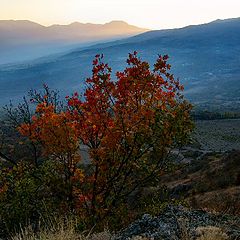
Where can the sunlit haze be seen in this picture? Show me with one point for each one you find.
(152, 14)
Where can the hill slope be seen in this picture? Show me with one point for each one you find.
(23, 40)
(205, 57)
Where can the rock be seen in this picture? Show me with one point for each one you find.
(177, 223)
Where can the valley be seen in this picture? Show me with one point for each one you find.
(206, 58)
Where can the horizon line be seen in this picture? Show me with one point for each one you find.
(94, 23)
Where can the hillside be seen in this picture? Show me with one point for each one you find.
(23, 40)
(205, 57)
(205, 181)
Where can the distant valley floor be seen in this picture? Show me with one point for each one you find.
(218, 135)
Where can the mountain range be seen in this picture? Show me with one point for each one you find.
(205, 57)
(22, 40)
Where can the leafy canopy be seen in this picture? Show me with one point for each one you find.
(128, 126)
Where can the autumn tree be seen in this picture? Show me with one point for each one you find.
(129, 125)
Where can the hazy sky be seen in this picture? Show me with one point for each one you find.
(153, 14)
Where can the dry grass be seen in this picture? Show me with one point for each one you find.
(65, 229)
(221, 200)
(141, 238)
(61, 230)
(184, 232)
(100, 236)
(28, 234)
(211, 233)
(203, 233)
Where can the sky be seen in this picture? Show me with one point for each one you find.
(151, 14)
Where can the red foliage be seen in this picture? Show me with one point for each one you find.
(128, 124)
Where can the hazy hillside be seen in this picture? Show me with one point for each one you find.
(205, 57)
(23, 40)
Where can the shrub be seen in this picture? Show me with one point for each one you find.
(30, 194)
(128, 125)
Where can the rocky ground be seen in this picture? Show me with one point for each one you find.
(179, 223)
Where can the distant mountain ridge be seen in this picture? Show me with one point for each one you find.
(205, 57)
(25, 40)
(72, 32)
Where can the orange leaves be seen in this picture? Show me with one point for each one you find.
(113, 110)
(24, 129)
(53, 130)
(110, 109)
(78, 176)
(128, 125)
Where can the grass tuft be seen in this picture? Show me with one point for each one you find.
(211, 233)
